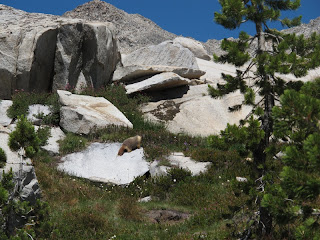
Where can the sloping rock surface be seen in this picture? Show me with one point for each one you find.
(166, 53)
(194, 46)
(157, 82)
(196, 113)
(40, 52)
(131, 73)
(83, 114)
(100, 162)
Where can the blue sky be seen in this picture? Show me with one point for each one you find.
(189, 18)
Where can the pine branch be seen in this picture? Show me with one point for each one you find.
(252, 112)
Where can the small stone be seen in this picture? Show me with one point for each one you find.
(145, 199)
(241, 179)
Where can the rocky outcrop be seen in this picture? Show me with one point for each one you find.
(157, 82)
(100, 162)
(86, 54)
(306, 29)
(166, 53)
(40, 52)
(195, 112)
(158, 67)
(132, 30)
(134, 72)
(194, 46)
(84, 114)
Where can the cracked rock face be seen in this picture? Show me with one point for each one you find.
(40, 52)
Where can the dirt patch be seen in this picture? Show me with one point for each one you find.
(166, 111)
(167, 216)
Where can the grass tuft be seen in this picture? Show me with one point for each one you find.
(129, 209)
(72, 143)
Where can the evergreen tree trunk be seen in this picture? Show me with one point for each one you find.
(265, 221)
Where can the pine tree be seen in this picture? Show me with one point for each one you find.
(24, 137)
(292, 201)
(274, 53)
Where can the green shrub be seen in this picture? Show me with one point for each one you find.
(179, 174)
(72, 143)
(43, 134)
(24, 136)
(3, 158)
(22, 101)
(89, 222)
(161, 186)
(192, 194)
(215, 141)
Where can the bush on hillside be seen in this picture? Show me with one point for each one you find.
(22, 100)
(3, 158)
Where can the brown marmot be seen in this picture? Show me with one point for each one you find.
(130, 144)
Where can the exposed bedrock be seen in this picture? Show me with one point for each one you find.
(40, 52)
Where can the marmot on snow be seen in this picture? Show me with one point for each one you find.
(130, 144)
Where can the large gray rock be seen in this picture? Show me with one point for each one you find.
(100, 162)
(84, 114)
(30, 186)
(4, 106)
(134, 72)
(85, 52)
(158, 82)
(39, 50)
(194, 46)
(167, 53)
